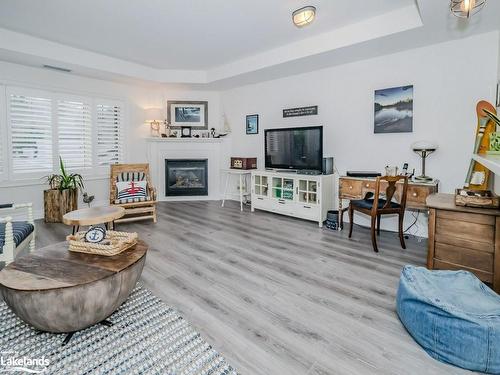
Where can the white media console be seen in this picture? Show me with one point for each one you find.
(303, 196)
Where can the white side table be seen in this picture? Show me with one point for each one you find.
(242, 175)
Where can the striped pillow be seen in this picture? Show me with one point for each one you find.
(131, 191)
(131, 176)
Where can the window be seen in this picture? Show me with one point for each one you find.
(74, 127)
(30, 125)
(43, 125)
(108, 127)
(3, 133)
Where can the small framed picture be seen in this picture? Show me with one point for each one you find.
(252, 124)
(186, 132)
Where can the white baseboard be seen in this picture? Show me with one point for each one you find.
(188, 198)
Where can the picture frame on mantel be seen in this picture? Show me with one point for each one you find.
(187, 113)
(252, 124)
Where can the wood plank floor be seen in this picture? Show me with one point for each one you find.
(277, 295)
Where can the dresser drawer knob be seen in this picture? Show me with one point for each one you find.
(367, 185)
(350, 187)
(415, 194)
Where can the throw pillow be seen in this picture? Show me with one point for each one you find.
(131, 191)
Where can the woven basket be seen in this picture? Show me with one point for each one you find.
(120, 241)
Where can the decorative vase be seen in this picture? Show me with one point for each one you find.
(59, 202)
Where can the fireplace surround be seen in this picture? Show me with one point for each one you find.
(215, 150)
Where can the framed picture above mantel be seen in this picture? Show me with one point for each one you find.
(187, 113)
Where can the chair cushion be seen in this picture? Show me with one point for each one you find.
(452, 315)
(21, 229)
(131, 191)
(368, 203)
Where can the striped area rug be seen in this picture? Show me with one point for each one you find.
(147, 337)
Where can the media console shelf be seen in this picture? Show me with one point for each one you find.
(306, 197)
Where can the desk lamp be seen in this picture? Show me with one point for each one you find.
(423, 149)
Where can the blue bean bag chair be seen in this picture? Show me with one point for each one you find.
(453, 316)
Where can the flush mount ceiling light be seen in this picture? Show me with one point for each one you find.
(304, 16)
(466, 8)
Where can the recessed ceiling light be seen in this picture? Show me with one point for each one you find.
(304, 16)
(466, 8)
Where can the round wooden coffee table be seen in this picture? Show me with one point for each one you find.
(56, 290)
(93, 216)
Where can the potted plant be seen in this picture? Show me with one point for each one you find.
(62, 195)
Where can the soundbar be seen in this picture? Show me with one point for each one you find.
(363, 174)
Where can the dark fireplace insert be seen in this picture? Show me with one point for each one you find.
(186, 177)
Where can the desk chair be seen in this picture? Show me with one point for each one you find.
(377, 206)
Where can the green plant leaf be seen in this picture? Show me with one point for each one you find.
(61, 165)
(64, 181)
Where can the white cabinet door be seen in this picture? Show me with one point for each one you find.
(308, 191)
(260, 185)
(282, 188)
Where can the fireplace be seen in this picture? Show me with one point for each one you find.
(186, 177)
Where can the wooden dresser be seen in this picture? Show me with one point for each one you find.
(358, 187)
(464, 238)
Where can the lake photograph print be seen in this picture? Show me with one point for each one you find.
(394, 110)
(187, 114)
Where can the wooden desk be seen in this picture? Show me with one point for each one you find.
(358, 187)
(464, 238)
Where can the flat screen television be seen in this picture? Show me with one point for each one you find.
(294, 148)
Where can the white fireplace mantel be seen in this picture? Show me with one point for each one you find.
(212, 149)
(185, 140)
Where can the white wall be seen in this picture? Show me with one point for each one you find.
(448, 81)
(136, 99)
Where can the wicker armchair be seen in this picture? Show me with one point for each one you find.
(16, 236)
(140, 210)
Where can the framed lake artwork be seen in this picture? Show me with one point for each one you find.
(252, 124)
(394, 110)
(187, 113)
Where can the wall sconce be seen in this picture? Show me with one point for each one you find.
(154, 116)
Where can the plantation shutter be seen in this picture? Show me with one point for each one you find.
(3, 133)
(30, 124)
(74, 127)
(2, 137)
(109, 118)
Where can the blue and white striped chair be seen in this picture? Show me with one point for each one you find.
(16, 236)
